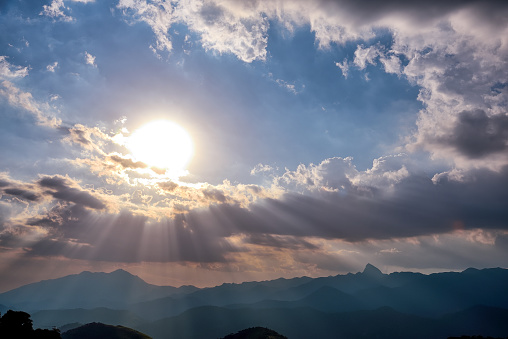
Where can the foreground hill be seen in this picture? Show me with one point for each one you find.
(102, 331)
(87, 290)
(255, 333)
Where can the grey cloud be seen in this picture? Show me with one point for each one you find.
(476, 134)
(279, 241)
(22, 194)
(366, 11)
(79, 136)
(169, 186)
(81, 234)
(127, 163)
(415, 206)
(61, 189)
(214, 195)
(21, 191)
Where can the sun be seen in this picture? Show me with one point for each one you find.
(162, 144)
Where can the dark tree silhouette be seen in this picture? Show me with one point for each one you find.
(17, 324)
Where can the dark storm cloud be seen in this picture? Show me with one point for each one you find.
(477, 135)
(61, 189)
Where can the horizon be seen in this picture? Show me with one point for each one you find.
(428, 272)
(197, 142)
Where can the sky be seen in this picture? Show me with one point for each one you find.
(326, 135)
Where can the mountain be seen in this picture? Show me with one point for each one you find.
(361, 305)
(87, 290)
(302, 323)
(372, 272)
(59, 318)
(102, 331)
(441, 293)
(326, 299)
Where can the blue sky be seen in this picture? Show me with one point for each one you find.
(327, 134)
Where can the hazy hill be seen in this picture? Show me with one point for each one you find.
(327, 299)
(87, 290)
(441, 293)
(362, 305)
(102, 331)
(384, 323)
(59, 318)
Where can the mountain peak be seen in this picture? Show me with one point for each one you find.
(372, 271)
(121, 272)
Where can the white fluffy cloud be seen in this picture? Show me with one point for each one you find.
(90, 59)
(55, 10)
(9, 71)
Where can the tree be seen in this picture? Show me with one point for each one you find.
(17, 324)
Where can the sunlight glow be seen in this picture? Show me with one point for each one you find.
(162, 144)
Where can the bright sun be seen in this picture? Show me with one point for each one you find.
(162, 144)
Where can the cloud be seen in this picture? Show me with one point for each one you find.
(126, 162)
(55, 11)
(239, 29)
(281, 242)
(157, 14)
(66, 190)
(477, 135)
(51, 67)
(90, 59)
(9, 71)
(260, 168)
(21, 193)
(24, 100)
(81, 234)
(223, 28)
(365, 56)
(344, 67)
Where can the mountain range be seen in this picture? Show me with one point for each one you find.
(362, 305)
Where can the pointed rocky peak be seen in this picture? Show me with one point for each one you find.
(372, 271)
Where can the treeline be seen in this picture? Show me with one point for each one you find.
(18, 324)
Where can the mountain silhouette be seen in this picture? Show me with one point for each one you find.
(87, 290)
(367, 304)
(372, 272)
